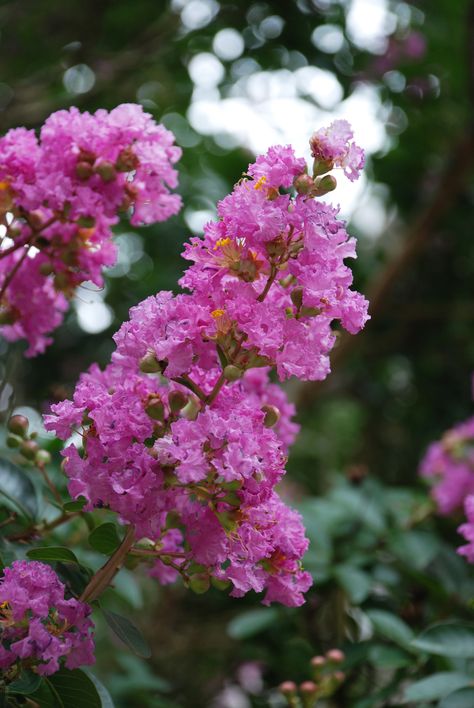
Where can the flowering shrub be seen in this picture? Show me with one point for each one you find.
(60, 196)
(183, 436)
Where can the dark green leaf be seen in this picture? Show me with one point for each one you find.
(76, 505)
(128, 633)
(52, 553)
(75, 577)
(27, 682)
(388, 657)
(68, 689)
(17, 491)
(105, 538)
(105, 696)
(447, 639)
(436, 686)
(415, 548)
(355, 582)
(391, 626)
(249, 623)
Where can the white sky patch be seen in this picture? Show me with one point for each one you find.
(368, 24)
(93, 315)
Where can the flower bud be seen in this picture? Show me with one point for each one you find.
(320, 167)
(232, 372)
(13, 441)
(335, 655)
(287, 688)
(220, 584)
(177, 400)
(7, 317)
(18, 424)
(297, 296)
(308, 687)
(84, 170)
(149, 364)
(318, 662)
(339, 676)
(199, 583)
(35, 219)
(106, 171)
(272, 415)
(42, 458)
(127, 160)
(304, 184)
(155, 408)
(46, 268)
(324, 185)
(191, 409)
(29, 448)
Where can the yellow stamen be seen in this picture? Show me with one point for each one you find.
(259, 184)
(221, 242)
(217, 313)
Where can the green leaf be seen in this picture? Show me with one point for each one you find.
(415, 548)
(75, 577)
(17, 491)
(105, 697)
(104, 538)
(68, 689)
(76, 505)
(52, 553)
(436, 686)
(249, 623)
(447, 639)
(391, 626)
(128, 633)
(388, 657)
(355, 582)
(27, 682)
(459, 699)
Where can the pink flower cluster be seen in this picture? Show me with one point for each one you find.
(449, 464)
(183, 435)
(38, 625)
(61, 194)
(334, 146)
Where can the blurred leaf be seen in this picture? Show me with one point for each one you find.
(27, 682)
(436, 686)
(391, 626)
(76, 505)
(388, 657)
(415, 548)
(355, 582)
(52, 553)
(249, 623)
(104, 538)
(17, 491)
(459, 699)
(105, 696)
(447, 639)
(128, 633)
(75, 577)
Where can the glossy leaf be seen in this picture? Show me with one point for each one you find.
(436, 686)
(253, 622)
(17, 491)
(104, 538)
(447, 639)
(128, 633)
(51, 554)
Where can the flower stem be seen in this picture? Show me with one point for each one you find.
(102, 579)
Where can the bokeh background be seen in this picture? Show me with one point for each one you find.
(231, 79)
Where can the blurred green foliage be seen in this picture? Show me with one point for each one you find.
(384, 565)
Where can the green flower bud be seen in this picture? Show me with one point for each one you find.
(106, 170)
(42, 458)
(199, 583)
(29, 448)
(13, 441)
(232, 372)
(18, 424)
(177, 400)
(155, 408)
(297, 296)
(84, 170)
(149, 364)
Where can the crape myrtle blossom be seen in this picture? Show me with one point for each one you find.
(39, 626)
(449, 465)
(183, 435)
(60, 195)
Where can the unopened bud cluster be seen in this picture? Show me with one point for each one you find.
(326, 679)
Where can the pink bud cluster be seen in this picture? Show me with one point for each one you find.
(60, 195)
(38, 626)
(183, 435)
(449, 464)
